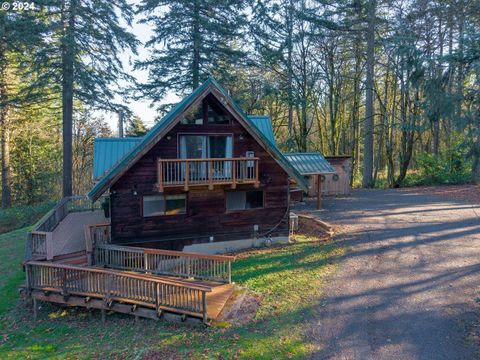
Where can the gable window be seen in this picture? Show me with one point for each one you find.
(243, 200)
(159, 205)
(194, 116)
(215, 115)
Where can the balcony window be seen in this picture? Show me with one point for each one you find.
(160, 205)
(243, 200)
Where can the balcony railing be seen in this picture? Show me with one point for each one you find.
(196, 172)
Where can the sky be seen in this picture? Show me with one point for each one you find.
(140, 108)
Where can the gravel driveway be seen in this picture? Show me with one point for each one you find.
(406, 288)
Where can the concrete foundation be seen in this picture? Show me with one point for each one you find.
(229, 246)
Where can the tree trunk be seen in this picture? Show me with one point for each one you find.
(290, 71)
(436, 137)
(461, 68)
(476, 153)
(120, 124)
(368, 127)
(332, 102)
(196, 46)
(68, 54)
(5, 149)
(408, 135)
(4, 130)
(356, 110)
(389, 136)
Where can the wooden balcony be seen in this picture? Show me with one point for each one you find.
(199, 172)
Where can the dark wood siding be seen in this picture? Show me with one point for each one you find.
(206, 213)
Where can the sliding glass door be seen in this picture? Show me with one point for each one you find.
(206, 147)
(220, 147)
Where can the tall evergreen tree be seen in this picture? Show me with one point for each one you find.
(192, 39)
(273, 33)
(19, 33)
(87, 38)
(136, 127)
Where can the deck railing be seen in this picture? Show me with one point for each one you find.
(218, 171)
(111, 285)
(165, 262)
(97, 234)
(38, 242)
(37, 239)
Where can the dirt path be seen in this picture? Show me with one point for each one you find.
(407, 287)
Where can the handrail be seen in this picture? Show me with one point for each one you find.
(207, 171)
(175, 253)
(132, 275)
(209, 159)
(165, 262)
(159, 293)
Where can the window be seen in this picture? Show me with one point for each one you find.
(215, 115)
(242, 200)
(203, 146)
(164, 205)
(194, 116)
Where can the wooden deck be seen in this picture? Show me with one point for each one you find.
(138, 282)
(142, 282)
(217, 299)
(215, 302)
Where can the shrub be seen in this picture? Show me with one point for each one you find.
(22, 215)
(434, 170)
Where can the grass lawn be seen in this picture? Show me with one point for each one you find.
(288, 280)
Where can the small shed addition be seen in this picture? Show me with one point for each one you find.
(313, 166)
(340, 184)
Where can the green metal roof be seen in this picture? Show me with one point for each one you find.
(310, 163)
(108, 151)
(156, 133)
(263, 123)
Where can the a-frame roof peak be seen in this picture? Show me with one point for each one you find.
(210, 86)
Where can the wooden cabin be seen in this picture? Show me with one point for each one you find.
(205, 178)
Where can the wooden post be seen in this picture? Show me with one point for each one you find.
(186, 175)
(210, 174)
(319, 192)
(104, 315)
(35, 309)
(204, 307)
(64, 283)
(49, 245)
(29, 279)
(229, 272)
(88, 244)
(160, 175)
(257, 183)
(234, 174)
